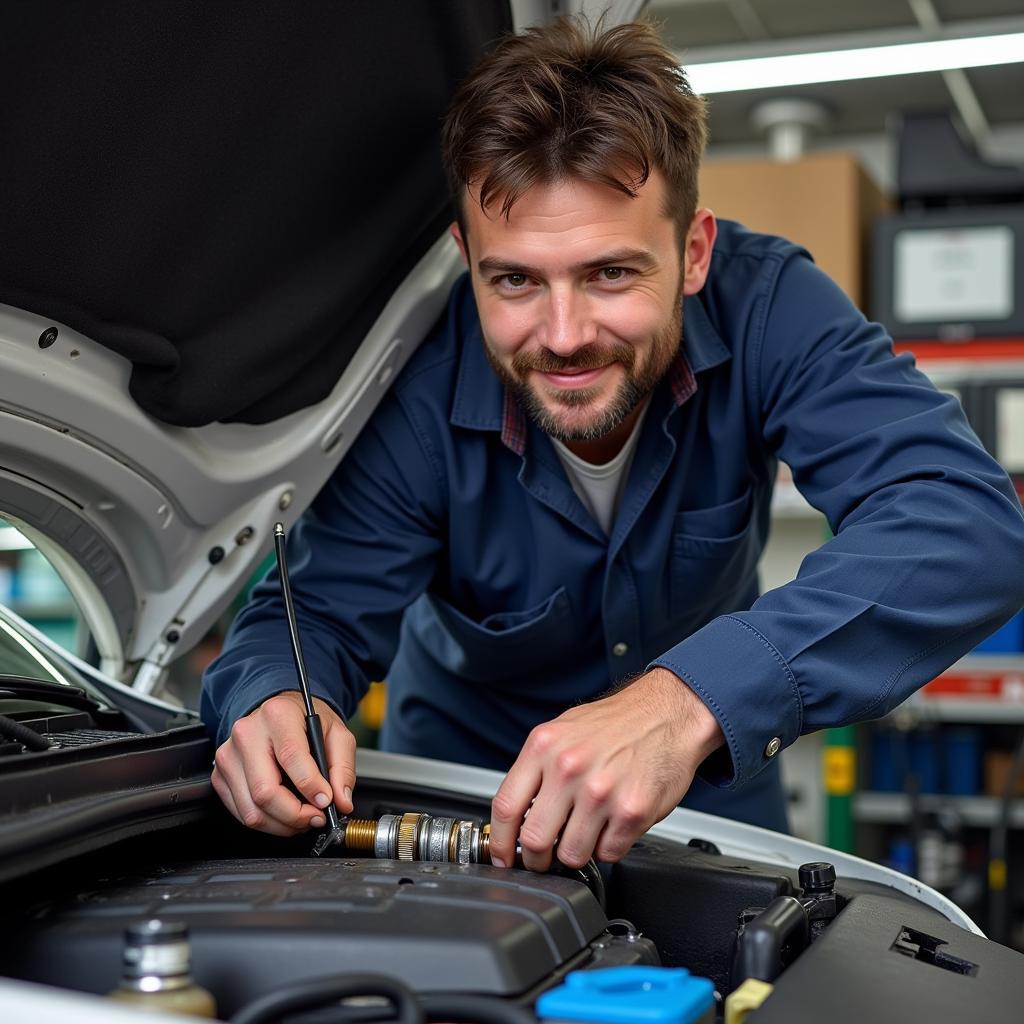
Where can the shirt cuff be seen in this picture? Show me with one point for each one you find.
(748, 687)
(268, 682)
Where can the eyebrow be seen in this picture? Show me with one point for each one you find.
(494, 264)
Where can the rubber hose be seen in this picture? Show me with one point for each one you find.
(29, 738)
(591, 875)
(318, 992)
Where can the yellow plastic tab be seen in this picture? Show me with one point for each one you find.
(373, 705)
(747, 998)
(839, 770)
(997, 875)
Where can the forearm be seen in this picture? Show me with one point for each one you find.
(364, 550)
(928, 552)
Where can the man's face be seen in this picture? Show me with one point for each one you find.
(579, 294)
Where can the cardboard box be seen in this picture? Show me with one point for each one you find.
(825, 202)
(997, 769)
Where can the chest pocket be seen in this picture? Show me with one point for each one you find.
(714, 552)
(503, 645)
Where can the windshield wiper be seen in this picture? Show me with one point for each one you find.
(66, 696)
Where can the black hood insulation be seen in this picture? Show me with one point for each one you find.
(225, 194)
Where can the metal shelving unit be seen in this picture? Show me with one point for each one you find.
(895, 809)
(980, 688)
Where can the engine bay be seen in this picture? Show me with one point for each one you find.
(264, 915)
(118, 825)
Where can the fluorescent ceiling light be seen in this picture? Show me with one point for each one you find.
(863, 62)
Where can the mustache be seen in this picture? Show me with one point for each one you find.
(590, 357)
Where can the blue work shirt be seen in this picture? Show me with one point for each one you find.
(450, 553)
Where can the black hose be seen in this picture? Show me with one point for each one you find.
(318, 992)
(590, 873)
(22, 734)
(468, 1009)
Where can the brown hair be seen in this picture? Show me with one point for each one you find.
(572, 101)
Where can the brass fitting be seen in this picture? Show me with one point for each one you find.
(360, 834)
(420, 837)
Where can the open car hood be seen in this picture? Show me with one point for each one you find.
(155, 527)
(223, 238)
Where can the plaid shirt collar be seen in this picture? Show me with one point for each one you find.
(681, 382)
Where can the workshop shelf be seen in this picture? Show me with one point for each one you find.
(895, 808)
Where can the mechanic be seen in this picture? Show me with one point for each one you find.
(547, 537)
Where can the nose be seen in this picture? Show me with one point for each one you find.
(568, 324)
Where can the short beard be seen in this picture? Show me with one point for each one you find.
(629, 396)
(632, 391)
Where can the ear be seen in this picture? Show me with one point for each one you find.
(700, 241)
(459, 241)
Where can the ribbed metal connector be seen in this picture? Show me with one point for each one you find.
(408, 835)
(420, 837)
(360, 834)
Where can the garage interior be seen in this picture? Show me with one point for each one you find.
(883, 178)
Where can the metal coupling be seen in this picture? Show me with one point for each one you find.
(420, 837)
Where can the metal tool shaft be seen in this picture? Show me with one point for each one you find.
(293, 625)
(314, 728)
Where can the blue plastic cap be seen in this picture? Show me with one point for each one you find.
(629, 995)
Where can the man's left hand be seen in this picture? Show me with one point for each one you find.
(598, 776)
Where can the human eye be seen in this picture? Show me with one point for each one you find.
(613, 275)
(511, 283)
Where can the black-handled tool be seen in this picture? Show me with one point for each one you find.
(335, 832)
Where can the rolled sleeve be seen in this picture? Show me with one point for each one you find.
(745, 682)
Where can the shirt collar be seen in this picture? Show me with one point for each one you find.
(483, 403)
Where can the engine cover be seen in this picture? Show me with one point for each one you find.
(259, 924)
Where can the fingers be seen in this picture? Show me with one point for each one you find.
(285, 724)
(233, 786)
(634, 812)
(587, 822)
(564, 772)
(544, 821)
(595, 779)
(341, 758)
(537, 797)
(222, 790)
(509, 807)
(248, 767)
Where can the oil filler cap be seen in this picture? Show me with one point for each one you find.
(622, 995)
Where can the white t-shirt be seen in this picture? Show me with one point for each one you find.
(600, 487)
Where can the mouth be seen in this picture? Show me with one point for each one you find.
(572, 379)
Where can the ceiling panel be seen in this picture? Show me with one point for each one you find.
(696, 23)
(856, 107)
(1000, 91)
(970, 10)
(797, 18)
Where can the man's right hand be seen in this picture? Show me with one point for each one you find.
(248, 766)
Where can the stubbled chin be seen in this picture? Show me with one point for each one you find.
(576, 414)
